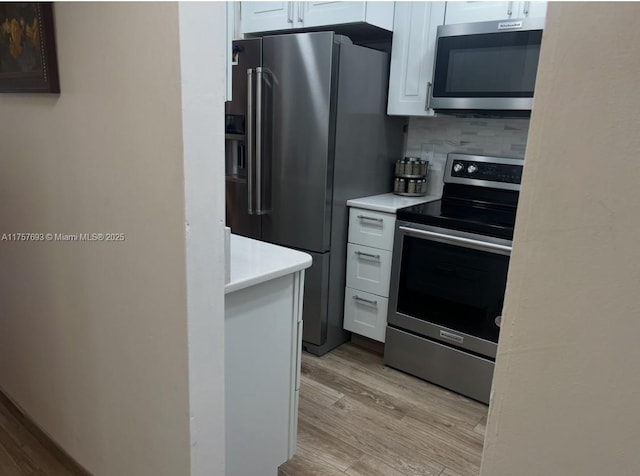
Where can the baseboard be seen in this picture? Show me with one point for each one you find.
(368, 344)
(45, 440)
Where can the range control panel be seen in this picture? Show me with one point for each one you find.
(484, 171)
(490, 171)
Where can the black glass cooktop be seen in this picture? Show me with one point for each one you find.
(483, 218)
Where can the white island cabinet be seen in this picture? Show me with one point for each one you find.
(263, 338)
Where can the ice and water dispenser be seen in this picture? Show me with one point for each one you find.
(235, 146)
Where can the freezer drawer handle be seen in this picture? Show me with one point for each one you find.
(368, 255)
(250, 141)
(366, 301)
(458, 241)
(364, 217)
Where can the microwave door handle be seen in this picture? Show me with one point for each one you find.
(250, 118)
(427, 101)
(458, 241)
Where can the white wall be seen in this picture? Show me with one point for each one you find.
(94, 337)
(567, 385)
(202, 36)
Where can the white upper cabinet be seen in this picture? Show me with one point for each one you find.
(233, 33)
(469, 12)
(266, 16)
(260, 17)
(532, 9)
(337, 13)
(414, 37)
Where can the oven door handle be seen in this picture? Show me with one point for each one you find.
(458, 241)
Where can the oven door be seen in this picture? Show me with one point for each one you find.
(487, 65)
(449, 286)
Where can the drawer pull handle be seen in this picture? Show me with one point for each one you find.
(366, 301)
(364, 217)
(368, 255)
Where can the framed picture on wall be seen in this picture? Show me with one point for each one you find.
(28, 62)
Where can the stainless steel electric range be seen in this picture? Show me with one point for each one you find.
(449, 274)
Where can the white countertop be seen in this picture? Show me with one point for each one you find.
(254, 262)
(389, 202)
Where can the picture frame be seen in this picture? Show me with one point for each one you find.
(28, 61)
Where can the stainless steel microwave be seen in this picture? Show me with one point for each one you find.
(486, 66)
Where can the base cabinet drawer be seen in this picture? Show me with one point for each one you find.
(371, 228)
(365, 314)
(368, 269)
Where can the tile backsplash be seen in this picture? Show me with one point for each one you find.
(432, 138)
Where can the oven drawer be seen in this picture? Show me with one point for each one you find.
(365, 314)
(464, 373)
(368, 269)
(371, 228)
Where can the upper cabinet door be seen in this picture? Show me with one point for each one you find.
(469, 12)
(532, 9)
(260, 17)
(330, 13)
(414, 39)
(266, 16)
(314, 14)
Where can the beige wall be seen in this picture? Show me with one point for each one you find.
(94, 336)
(567, 385)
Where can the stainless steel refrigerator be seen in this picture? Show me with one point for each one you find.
(307, 130)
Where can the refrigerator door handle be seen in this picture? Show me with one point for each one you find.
(250, 117)
(258, 154)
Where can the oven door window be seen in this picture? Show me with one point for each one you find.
(487, 65)
(452, 286)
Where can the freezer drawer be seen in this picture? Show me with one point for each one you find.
(316, 299)
(368, 269)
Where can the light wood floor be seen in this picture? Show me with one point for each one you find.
(25, 450)
(360, 418)
(357, 417)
